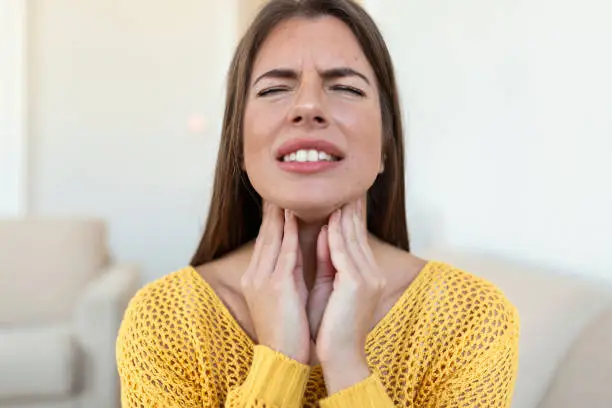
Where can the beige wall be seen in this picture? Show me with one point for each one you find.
(247, 10)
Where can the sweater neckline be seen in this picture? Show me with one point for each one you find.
(408, 293)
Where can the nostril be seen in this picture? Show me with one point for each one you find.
(319, 119)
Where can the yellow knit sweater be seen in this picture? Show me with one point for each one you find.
(450, 341)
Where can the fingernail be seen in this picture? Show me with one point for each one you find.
(287, 214)
(324, 228)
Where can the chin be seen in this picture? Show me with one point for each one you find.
(314, 216)
(307, 207)
(311, 210)
(311, 201)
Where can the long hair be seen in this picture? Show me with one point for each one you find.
(235, 216)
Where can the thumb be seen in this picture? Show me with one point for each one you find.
(325, 268)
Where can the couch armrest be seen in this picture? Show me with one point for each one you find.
(96, 321)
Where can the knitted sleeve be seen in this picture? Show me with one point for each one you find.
(158, 370)
(368, 393)
(274, 380)
(486, 381)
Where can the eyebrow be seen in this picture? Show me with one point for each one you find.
(333, 73)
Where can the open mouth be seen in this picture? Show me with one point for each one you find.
(298, 152)
(308, 156)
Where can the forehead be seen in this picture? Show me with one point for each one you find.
(323, 42)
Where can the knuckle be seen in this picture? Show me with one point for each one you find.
(246, 282)
(250, 283)
(245, 286)
(262, 240)
(375, 286)
(267, 241)
(277, 285)
(285, 266)
(355, 284)
(286, 258)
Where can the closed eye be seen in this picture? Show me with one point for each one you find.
(349, 89)
(272, 90)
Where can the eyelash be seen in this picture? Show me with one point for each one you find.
(350, 89)
(274, 90)
(271, 91)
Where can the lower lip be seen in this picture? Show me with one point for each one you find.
(308, 167)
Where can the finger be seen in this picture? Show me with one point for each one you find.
(361, 229)
(351, 237)
(288, 256)
(339, 256)
(299, 261)
(368, 269)
(325, 269)
(298, 270)
(271, 238)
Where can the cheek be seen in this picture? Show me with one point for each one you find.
(369, 136)
(254, 135)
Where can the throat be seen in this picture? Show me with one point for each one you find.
(308, 235)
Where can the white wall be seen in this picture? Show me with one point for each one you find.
(13, 140)
(114, 85)
(509, 127)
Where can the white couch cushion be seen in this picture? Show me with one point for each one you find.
(45, 264)
(585, 376)
(36, 363)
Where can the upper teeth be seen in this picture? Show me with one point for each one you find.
(308, 156)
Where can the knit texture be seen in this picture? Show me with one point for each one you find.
(450, 341)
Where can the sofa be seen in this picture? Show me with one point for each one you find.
(61, 304)
(565, 356)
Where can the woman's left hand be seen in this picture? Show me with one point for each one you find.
(350, 312)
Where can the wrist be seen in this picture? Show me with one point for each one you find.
(299, 352)
(344, 371)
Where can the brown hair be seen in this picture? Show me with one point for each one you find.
(234, 216)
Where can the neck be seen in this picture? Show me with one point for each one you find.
(308, 235)
(308, 232)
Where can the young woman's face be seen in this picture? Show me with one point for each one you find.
(312, 126)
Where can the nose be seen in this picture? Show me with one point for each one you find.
(308, 109)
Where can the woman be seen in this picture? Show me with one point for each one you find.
(303, 291)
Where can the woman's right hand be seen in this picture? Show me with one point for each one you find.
(273, 286)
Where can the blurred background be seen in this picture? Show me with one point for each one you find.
(507, 107)
(111, 110)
